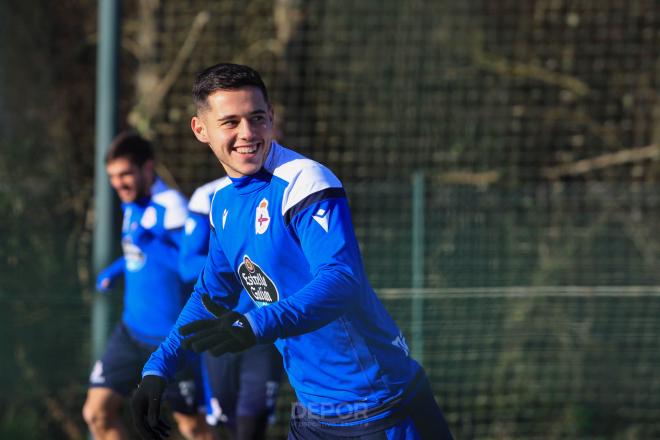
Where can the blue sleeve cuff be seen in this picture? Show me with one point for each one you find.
(153, 373)
(252, 318)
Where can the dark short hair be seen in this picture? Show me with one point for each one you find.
(225, 76)
(131, 146)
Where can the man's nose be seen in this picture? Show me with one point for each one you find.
(246, 130)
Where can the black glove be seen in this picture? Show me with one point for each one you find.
(230, 332)
(145, 407)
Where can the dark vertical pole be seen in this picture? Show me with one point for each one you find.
(418, 250)
(107, 60)
(4, 76)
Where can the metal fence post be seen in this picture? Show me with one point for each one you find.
(417, 265)
(106, 128)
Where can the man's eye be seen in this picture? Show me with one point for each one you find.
(229, 124)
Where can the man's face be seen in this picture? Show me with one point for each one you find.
(129, 180)
(238, 126)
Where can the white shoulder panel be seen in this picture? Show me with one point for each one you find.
(175, 208)
(200, 201)
(304, 176)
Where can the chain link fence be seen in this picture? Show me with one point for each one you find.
(523, 265)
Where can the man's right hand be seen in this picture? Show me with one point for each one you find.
(103, 284)
(107, 276)
(145, 407)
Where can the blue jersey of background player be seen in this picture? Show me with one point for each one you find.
(243, 386)
(153, 219)
(282, 233)
(152, 229)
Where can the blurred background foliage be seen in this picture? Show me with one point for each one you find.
(535, 124)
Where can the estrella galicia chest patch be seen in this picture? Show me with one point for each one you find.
(258, 285)
(133, 255)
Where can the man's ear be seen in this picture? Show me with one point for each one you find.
(199, 129)
(148, 171)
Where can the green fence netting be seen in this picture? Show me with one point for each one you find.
(532, 294)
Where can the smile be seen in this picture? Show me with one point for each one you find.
(246, 149)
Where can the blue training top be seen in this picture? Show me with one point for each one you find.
(151, 234)
(284, 238)
(195, 241)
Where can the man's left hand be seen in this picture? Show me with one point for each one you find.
(145, 406)
(229, 332)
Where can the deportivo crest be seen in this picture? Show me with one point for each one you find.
(262, 219)
(258, 285)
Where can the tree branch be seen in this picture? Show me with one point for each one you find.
(150, 99)
(636, 154)
(165, 84)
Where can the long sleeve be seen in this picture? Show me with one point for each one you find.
(326, 236)
(107, 277)
(169, 357)
(114, 269)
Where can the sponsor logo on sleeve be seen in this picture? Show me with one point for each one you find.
(262, 219)
(258, 285)
(400, 342)
(321, 218)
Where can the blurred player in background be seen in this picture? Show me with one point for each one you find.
(154, 294)
(243, 386)
(281, 232)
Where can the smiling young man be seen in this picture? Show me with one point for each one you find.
(152, 228)
(281, 234)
